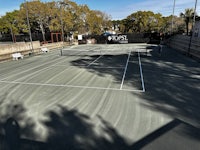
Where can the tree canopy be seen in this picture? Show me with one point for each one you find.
(52, 16)
(148, 21)
(47, 17)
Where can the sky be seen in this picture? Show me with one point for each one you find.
(119, 9)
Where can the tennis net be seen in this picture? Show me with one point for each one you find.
(64, 52)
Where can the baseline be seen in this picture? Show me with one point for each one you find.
(70, 86)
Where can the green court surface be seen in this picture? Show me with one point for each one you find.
(116, 98)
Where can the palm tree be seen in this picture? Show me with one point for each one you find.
(188, 15)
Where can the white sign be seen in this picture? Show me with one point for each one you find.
(117, 38)
(80, 37)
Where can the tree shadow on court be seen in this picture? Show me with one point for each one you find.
(17, 111)
(172, 85)
(171, 79)
(15, 125)
(114, 68)
(171, 82)
(70, 129)
(66, 129)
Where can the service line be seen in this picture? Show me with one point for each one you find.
(69, 86)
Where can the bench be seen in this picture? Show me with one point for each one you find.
(17, 55)
(44, 50)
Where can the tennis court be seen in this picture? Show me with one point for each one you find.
(100, 88)
(76, 69)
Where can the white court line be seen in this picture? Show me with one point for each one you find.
(94, 60)
(104, 67)
(29, 69)
(141, 74)
(125, 71)
(94, 67)
(69, 86)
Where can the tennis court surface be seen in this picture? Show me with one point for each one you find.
(102, 97)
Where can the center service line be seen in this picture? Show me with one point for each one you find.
(94, 60)
(141, 74)
(125, 70)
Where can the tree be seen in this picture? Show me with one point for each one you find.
(187, 16)
(97, 22)
(55, 16)
(148, 21)
(83, 24)
(38, 15)
(12, 21)
(143, 21)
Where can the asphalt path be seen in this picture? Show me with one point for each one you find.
(108, 101)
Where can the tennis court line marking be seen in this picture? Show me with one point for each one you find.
(141, 72)
(122, 82)
(26, 70)
(70, 86)
(106, 67)
(95, 60)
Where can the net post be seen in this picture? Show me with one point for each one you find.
(61, 52)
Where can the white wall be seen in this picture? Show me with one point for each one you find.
(18, 47)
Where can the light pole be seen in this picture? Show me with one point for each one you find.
(193, 24)
(173, 17)
(29, 28)
(194, 17)
(61, 20)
